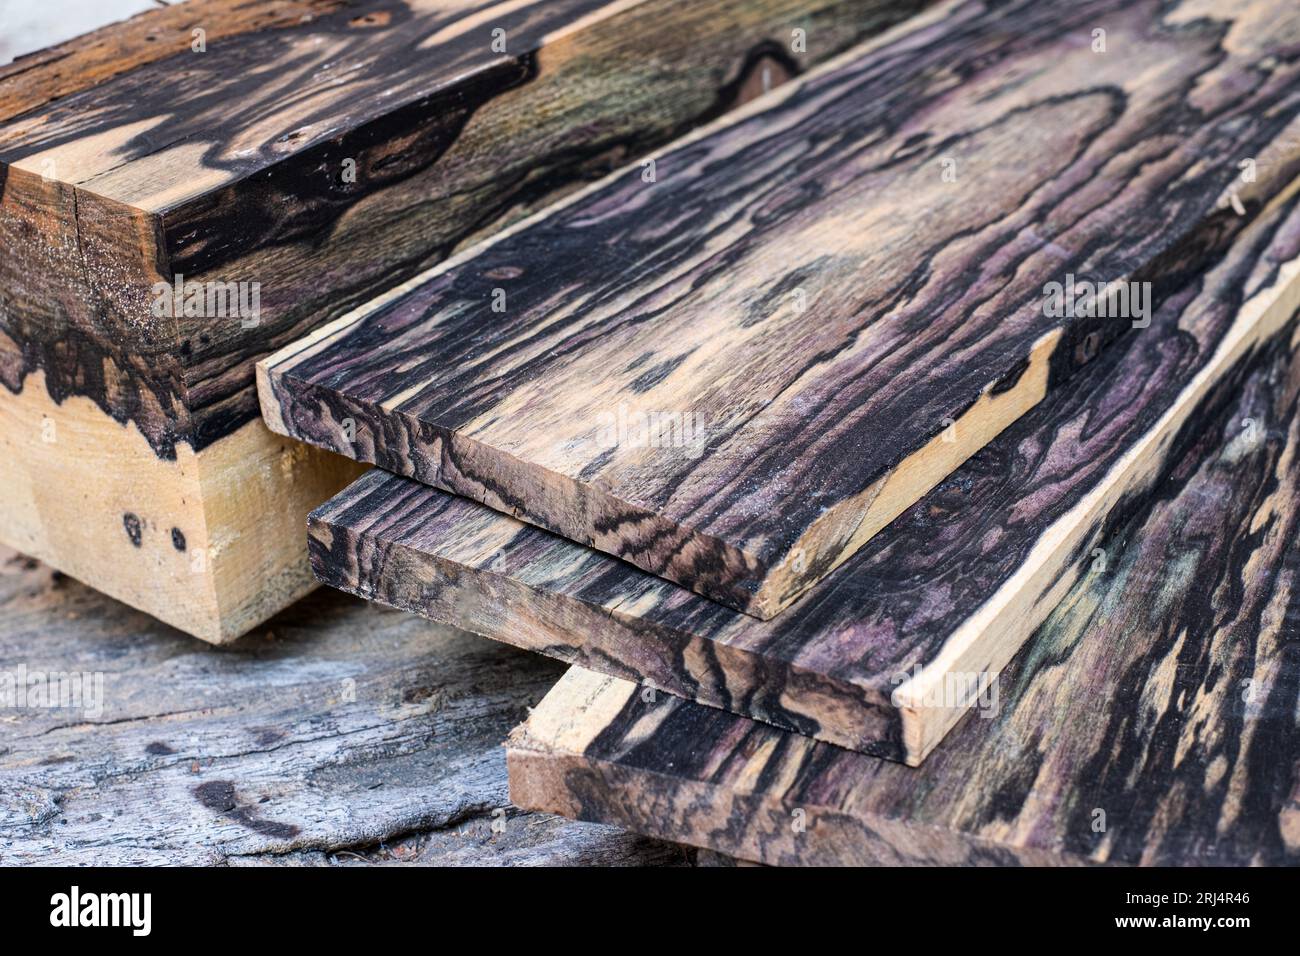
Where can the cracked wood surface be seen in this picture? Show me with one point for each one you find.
(1154, 719)
(867, 658)
(734, 373)
(340, 733)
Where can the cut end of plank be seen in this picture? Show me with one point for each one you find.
(848, 526)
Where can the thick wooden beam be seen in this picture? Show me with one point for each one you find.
(735, 371)
(1152, 721)
(311, 153)
(886, 654)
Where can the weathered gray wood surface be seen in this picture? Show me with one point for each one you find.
(256, 754)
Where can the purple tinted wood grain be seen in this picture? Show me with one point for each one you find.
(1152, 720)
(734, 368)
(878, 657)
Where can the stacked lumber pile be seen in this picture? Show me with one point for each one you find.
(184, 192)
(902, 441)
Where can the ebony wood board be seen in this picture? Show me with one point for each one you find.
(229, 164)
(877, 656)
(1153, 720)
(338, 734)
(734, 375)
(305, 154)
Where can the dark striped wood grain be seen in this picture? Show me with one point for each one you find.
(1152, 720)
(227, 164)
(924, 315)
(127, 158)
(867, 659)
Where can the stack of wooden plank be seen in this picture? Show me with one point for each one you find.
(184, 192)
(806, 425)
(902, 442)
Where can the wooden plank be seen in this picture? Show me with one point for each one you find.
(526, 373)
(876, 657)
(379, 741)
(1152, 721)
(318, 151)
